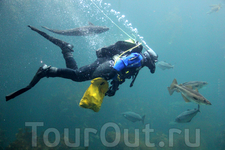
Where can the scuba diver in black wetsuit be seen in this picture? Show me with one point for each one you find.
(118, 62)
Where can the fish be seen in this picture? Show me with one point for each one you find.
(91, 29)
(215, 8)
(164, 65)
(187, 115)
(188, 94)
(195, 84)
(133, 117)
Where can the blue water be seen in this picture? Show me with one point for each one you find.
(180, 32)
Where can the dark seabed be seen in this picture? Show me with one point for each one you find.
(49, 117)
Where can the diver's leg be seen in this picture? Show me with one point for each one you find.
(56, 41)
(66, 48)
(82, 74)
(104, 69)
(99, 68)
(45, 71)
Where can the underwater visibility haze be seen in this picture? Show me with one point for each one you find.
(187, 34)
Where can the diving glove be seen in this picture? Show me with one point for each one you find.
(113, 88)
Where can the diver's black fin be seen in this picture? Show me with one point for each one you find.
(42, 72)
(17, 93)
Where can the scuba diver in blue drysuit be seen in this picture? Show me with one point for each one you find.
(111, 64)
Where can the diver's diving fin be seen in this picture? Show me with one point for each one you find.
(17, 93)
(42, 72)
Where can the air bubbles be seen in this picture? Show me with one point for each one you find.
(105, 8)
(103, 19)
(112, 10)
(121, 18)
(100, 2)
(125, 22)
(115, 13)
(135, 30)
(128, 25)
(107, 5)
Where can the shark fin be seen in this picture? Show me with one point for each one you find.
(90, 24)
(185, 99)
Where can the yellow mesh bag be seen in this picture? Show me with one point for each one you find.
(93, 97)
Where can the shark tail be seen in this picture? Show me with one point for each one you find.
(172, 87)
(143, 119)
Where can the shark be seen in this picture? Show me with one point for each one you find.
(215, 8)
(188, 94)
(91, 29)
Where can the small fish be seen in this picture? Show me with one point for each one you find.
(187, 116)
(188, 94)
(164, 65)
(215, 8)
(195, 84)
(131, 116)
(81, 31)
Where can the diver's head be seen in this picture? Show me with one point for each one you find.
(150, 60)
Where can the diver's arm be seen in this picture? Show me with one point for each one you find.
(113, 88)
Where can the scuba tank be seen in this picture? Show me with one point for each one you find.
(118, 48)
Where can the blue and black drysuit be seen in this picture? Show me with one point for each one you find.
(106, 65)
